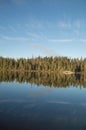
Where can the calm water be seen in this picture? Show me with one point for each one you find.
(27, 106)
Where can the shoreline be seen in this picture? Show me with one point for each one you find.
(43, 71)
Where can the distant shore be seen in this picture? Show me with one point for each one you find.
(61, 65)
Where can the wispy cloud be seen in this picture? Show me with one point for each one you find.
(13, 29)
(76, 32)
(77, 24)
(35, 24)
(15, 38)
(64, 25)
(82, 40)
(34, 35)
(66, 40)
(60, 40)
(44, 50)
(37, 35)
(9, 28)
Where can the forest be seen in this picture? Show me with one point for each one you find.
(43, 64)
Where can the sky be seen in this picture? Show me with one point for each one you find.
(31, 28)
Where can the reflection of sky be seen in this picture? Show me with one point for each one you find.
(16, 92)
(38, 107)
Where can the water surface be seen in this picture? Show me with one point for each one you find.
(25, 106)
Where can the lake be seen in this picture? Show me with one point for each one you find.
(42, 101)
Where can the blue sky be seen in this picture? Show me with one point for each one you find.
(42, 27)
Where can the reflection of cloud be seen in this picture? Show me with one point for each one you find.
(60, 102)
(12, 100)
(66, 103)
(40, 92)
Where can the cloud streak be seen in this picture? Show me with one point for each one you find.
(60, 40)
(15, 38)
(9, 28)
(12, 28)
(69, 24)
(82, 40)
(44, 50)
(64, 25)
(66, 40)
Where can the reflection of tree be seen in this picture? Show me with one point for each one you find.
(77, 69)
(46, 79)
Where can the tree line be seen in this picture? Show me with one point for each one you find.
(49, 64)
